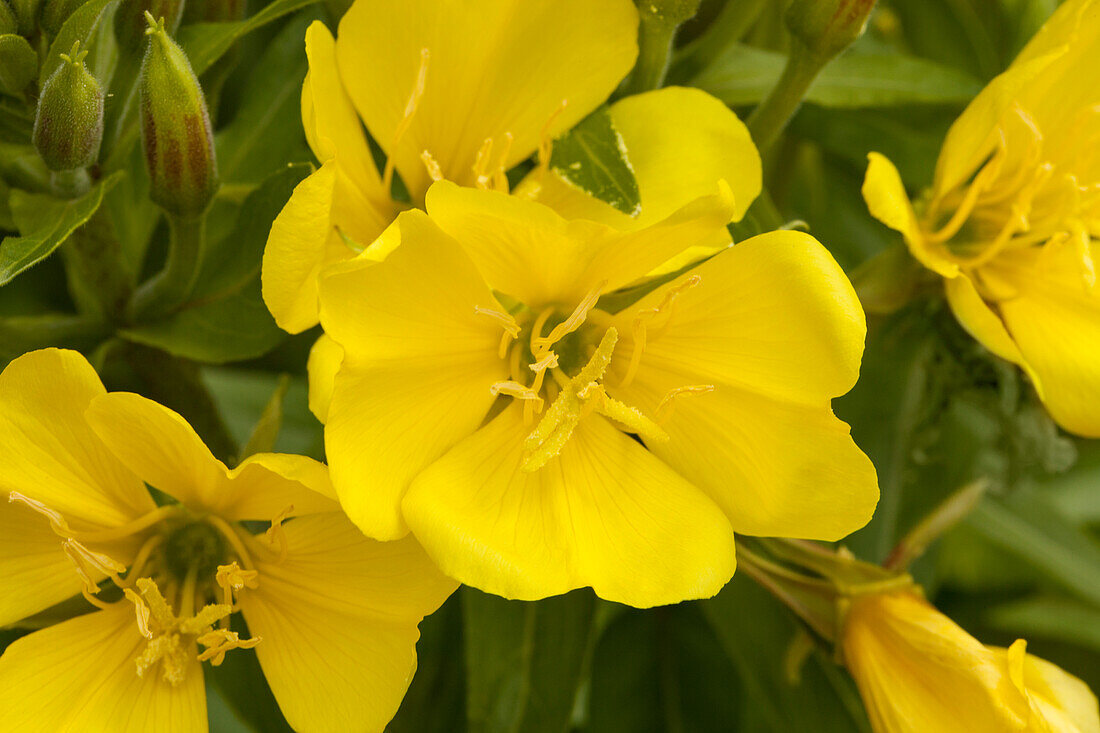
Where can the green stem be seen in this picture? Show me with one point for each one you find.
(654, 51)
(172, 286)
(771, 116)
(732, 23)
(70, 184)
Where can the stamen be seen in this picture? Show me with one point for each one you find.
(481, 165)
(233, 538)
(87, 560)
(549, 361)
(434, 171)
(221, 641)
(640, 329)
(1083, 246)
(546, 143)
(633, 419)
(141, 612)
(410, 112)
(570, 324)
(978, 186)
(57, 522)
(667, 403)
(275, 533)
(514, 389)
(500, 176)
(143, 555)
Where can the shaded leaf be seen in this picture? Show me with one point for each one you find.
(742, 75)
(18, 63)
(241, 396)
(45, 222)
(266, 431)
(205, 43)
(524, 660)
(1057, 619)
(435, 700)
(593, 158)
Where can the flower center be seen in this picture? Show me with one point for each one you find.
(1022, 197)
(180, 582)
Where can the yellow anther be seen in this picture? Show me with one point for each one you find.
(516, 390)
(57, 522)
(546, 142)
(159, 610)
(633, 420)
(668, 402)
(500, 176)
(86, 561)
(206, 617)
(434, 171)
(275, 533)
(482, 179)
(539, 344)
(504, 320)
(410, 112)
(231, 578)
(141, 612)
(549, 361)
(220, 641)
(641, 325)
(982, 181)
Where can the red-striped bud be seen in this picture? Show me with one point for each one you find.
(68, 125)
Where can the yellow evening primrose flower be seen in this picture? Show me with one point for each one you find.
(918, 671)
(1014, 210)
(332, 615)
(446, 92)
(535, 441)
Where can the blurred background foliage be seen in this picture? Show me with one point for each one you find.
(932, 409)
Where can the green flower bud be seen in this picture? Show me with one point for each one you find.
(56, 12)
(8, 22)
(175, 128)
(18, 64)
(827, 27)
(130, 24)
(26, 14)
(68, 125)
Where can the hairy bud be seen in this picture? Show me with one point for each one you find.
(131, 26)
(175, 128)
(827, 27)
(68, 125)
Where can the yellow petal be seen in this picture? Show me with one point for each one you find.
(774, 314)
(918, 671)
(332, 127)
(265, 484)
(80, 676)
(324, 361)
(1055, 320)
(297, 248)
(418, 364)
(34, 572)
(338, 621)
(1063, 702)
(529, 56)
(889, 203)
(980, 320)
(158, 445)
(51, 454)
(680, 142)
(605, 513)
(526, 250)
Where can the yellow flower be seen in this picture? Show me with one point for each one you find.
(1013, 211)
(486, 393)
(918, 672)
(332, 615)
(444, 91)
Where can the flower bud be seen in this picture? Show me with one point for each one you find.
(8, 22)
(56, 12)
(18, 64)
(68, 125)
(175, 128)
(130, 23)
(827, 27)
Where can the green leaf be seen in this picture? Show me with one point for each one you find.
(266, 431)
(234, 260)
(742, 75)
(524, 660)
(45, 222)
(242, 395)
(20, 334)
(205, 43)
(18, 64)
(435, 700)
(233, 328)
(662, 671)
(1025, 525)
(267, 129)
(1057, 619)
(81, 26)
(593, 158)
(755, 631)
